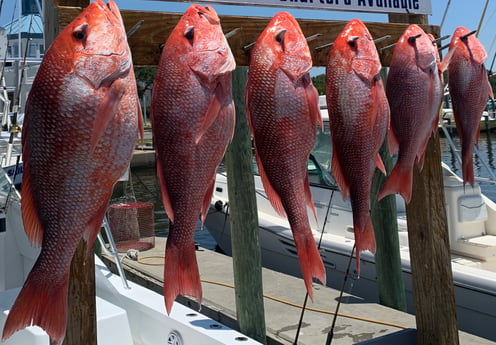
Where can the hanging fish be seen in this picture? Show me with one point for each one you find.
(193, 121)
(80, 129)
(359, 119)
(283, 113)
(414, 90)
(469, 88)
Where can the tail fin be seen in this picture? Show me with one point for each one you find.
(400, 181)
(42, 302)
(310, 261)
(364, 240)
(181, 275)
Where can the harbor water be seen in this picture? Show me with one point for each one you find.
(144, 184)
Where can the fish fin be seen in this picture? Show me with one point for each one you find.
(338, 174)
(32, 225)
(308, 196)
(468, 170)
(310, 261)
(141, 129)
(105, 113)
(232, 110)
(393, 143)
(165, 195)
(313, 103)
(207, 199)
(93, 228)
(490, 90)
(400, 181)
(443, 65)
(274, 198)
(211, 113)
(421, 154)
(379, 164)
(364, 240)
(43, 302)
(181, 274)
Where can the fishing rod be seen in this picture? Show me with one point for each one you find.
(318, 247)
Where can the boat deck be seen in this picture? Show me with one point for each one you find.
(359, 321)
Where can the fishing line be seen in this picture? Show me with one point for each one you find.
(304, 307)
(330, 335)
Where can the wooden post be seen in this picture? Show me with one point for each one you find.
(243, 218)
(428, 238)
(81, 323)
(387, 256)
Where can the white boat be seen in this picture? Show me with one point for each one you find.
(472, 231)
(127, 314)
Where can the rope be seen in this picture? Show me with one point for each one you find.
(143, 259)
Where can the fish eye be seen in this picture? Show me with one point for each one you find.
(413, 39)
(280, 35)
(352, 42)
(80, 32)
(189, 33)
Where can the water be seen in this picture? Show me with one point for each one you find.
(145, 185)
(487, 147)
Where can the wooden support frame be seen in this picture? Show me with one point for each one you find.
(145, 45)
(146, 42)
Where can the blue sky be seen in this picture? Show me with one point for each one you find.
(460, 13)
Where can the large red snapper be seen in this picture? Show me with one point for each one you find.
(359, 119)
(282, 110)
(469, 88)
(193, 121)
(414, 90)
(80, 128)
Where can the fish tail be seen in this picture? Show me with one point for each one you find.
(181, 275)
(399, 182)
(310, 261)
(364, 240)
(42, 302)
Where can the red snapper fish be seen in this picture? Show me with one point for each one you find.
(80, 129)
(282, 110)
(193, 121)
(469, 88)
(414, 90)
(359, 119)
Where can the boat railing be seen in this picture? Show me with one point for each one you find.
(454, 149)
(110, 249)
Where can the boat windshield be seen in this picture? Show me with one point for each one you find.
(319, 163)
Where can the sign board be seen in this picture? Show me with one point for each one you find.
(383, 6)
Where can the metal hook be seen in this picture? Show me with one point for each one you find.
(377, 40)
(232, 33)
(134, 28)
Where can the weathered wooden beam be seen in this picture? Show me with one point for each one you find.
(146, 42)
(82, 322)
(243, 219)
(428, 238)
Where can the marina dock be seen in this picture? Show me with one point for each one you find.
(358, 321)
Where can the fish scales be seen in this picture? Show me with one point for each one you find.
(80, 128)
(282, 110)
(193, 121)
(414, 90)
(469, 89)
(359, 118)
